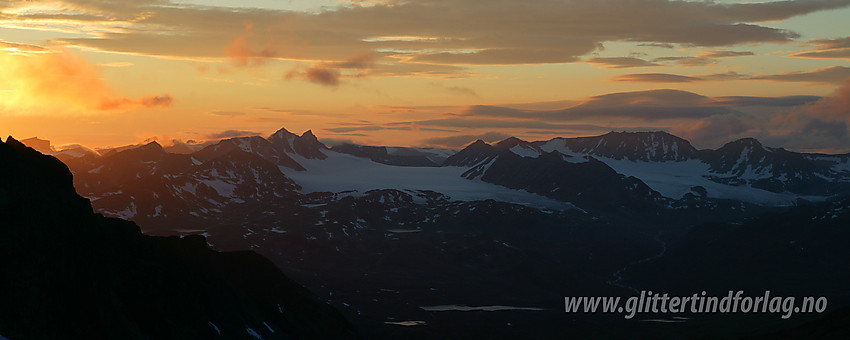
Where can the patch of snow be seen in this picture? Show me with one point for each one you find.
(223, 188)
(342, 172)
(190, 187)
(96, 170)
(72, 153)
(560, 146)
(524, 151)
(269, 327)
(215, 327)
(128, 213)
(675, 179)
(253, 333)
(244, 144)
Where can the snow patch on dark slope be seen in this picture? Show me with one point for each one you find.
(656, 146)
(341, 172)
(591, 184)
(398, 156)
(743, 170)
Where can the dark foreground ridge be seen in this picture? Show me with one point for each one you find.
(68, 273)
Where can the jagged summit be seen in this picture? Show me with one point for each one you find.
(519, 147)
(743, 142)
(40, 145)
(479, 144)
(283, 132)
(154, 145)
(473, 154)
(307, 145)
(147, 152)
(508, 143)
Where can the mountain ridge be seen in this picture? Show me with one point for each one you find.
(743, 169)
(70, 273)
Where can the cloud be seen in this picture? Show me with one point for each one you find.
(794, 130)
(17, 48)
(430, 32)
(161, 101)
(656, 78)
(676, 78)
(231, 134)
(318, 74)
(726, 54)
(462, 140)
(836, 106)
(457, 90)
(228, 113)
(842, 53)
(329, 73)
(714, 131)
(37, 80)
(829, 75)
(127, 103)
(826, 44)
(243, 54)
(801, 122)
(832, 129)
(650, 105)
(798, 122)
(358, 62)
(644, 105)
(489, 123)
(338, 141)
(786, 101)
(659, 45)
(621, 62)
(361, 128)
(828, 49)
(704, 58)
(373, 127)
(460, 90)
(323, 75)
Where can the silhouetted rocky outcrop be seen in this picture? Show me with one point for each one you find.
(68, 273)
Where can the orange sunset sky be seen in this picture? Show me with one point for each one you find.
(426, 72)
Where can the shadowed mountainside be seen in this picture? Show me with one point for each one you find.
(69, 273)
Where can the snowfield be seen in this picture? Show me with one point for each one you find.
(343, 172)
(675, 179)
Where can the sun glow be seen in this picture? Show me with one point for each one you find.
(56, 81)
(53, 80)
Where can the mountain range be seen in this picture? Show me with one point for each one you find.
(387, 234)
(618, 170)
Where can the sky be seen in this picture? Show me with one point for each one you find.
(426, 72)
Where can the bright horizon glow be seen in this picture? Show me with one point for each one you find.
(422, 73)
